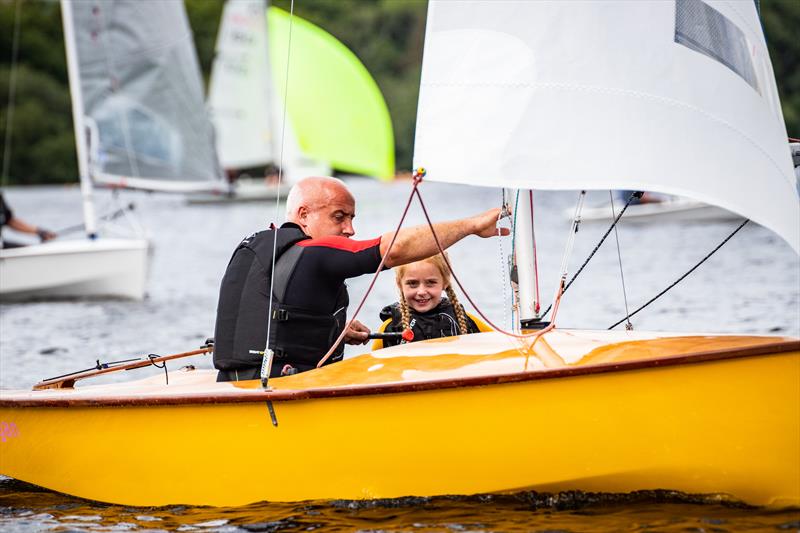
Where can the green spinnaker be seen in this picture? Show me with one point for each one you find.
(336, 109)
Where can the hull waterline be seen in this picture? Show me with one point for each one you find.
(721, 425)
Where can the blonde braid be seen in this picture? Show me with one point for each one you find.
(459, 310)
(405, 314)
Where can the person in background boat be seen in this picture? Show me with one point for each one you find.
(643, 197)
(7, 218)
(314, 255)
(421, 307)
(272, 175)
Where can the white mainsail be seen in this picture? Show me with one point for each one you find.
(142, 95)
(676, 97)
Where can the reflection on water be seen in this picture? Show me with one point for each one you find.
(751, 286)
(25, 508)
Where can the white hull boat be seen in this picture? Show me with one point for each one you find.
(243, 190)
(86, 268)
(157, 110)
(671, 210)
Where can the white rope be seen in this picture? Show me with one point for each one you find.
(505, 265)
(628, 325)
(266, 362)
(576, 222)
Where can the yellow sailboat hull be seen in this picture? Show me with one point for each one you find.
(726, 426)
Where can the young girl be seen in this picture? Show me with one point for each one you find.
(421, 307)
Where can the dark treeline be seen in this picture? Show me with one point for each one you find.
(387, 35)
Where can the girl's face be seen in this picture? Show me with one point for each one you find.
(422, 286)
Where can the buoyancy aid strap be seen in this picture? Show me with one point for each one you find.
(284, 267)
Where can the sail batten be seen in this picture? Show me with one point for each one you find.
(143, 97)
(607, 95)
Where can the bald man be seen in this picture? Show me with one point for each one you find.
(314, 254)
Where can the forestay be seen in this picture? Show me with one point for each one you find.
(142, 95)
(677, 97)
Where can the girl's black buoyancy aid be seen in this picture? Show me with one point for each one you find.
(441, 321)
(297, 336)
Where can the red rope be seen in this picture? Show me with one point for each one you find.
(417, 180)
(418, 174)
(535, 258)
(794, 140)
(466, 294)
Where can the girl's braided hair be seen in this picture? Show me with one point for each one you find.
(439, 262)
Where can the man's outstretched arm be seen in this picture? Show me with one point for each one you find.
(417, 243)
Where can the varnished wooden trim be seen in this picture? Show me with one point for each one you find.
(68, 381)
(257, 395)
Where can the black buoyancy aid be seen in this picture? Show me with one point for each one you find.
(441, 321)
(300, 337)
(241, 324)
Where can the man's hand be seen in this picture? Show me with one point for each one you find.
(356, 333)
(486, 224)
(45, 235)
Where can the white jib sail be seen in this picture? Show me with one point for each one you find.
(670, 96)
(240, 92)
(142, 95)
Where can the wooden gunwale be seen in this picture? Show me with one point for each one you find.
(257, 395)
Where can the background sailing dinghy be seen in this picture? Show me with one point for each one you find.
(346, 126)
(669, 209)
(552, 410)
(137, 102)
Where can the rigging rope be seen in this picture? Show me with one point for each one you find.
(657, 296)
(506, 267)
(153, 357)
(628, 325)
(537, 306)
(417, 180)
(533, 336)
(266, 361)
(637, 194)
(418, 175)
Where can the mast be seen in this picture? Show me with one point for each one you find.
(525, 259)
(81, 133)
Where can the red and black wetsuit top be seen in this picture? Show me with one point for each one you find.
(309, 298)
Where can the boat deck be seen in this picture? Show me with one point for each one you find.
(469, 360)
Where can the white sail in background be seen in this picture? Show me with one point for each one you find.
(247, 113)
(676, 97)
(240, 94)
(143, 96)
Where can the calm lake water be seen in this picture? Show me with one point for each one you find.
(752, 285)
